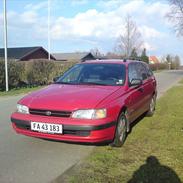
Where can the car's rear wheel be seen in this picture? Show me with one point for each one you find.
(121, 131)
(152, 107)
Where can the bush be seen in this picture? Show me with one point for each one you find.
(16, 74)
(40, 72)
(32, 73)
(158, 66)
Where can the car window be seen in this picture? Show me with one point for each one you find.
(71, 76)
(149, 71)
(143, 71)
(134, 71)
(96, 74)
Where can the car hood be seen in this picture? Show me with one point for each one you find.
(68, 97)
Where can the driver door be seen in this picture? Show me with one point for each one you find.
(135, 98)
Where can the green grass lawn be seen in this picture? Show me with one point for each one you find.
(19, 91)
(153, 151)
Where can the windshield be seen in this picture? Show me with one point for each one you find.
(94, 74)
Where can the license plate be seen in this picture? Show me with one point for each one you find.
(46, 127)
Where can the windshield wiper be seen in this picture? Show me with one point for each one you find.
(61, 82)
(92, 83)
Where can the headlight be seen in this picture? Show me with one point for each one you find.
(90, 114)
(22, 109)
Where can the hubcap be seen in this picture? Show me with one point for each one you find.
(122, 128)
(152, 104)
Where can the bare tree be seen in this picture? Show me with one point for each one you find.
(130, 38)
(176, 16)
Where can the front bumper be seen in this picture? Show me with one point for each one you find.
(73, 130)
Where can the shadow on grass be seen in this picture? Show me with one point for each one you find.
(153, 172)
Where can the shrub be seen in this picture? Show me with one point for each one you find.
(61, 67)
(158, 66)
(16, 74)
(40, 72)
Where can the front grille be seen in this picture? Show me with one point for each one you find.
(65, 114)
(83, 133)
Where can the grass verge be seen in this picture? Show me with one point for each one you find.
(19, 91)
(153, 151)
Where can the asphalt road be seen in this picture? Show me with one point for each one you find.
(31, 160)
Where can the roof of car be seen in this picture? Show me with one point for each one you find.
(114, 61)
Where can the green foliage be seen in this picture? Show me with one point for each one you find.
(158, 66)
(16, 73)
(169, 58)
(152, 152)
(174, 61)
(19, 91)
(32, 73)
(144, 56)
(40, 72)
(134, 55)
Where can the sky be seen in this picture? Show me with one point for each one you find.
(81, 25)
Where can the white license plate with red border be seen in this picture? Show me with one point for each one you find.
(47, 127)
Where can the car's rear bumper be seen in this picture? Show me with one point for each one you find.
(74, 133)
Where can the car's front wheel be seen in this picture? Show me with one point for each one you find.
(121, 131)
(152, 106)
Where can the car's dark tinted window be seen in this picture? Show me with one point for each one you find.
(149, 71)
(143, 71)
(99, 74)
(137, 71)
(133, 71)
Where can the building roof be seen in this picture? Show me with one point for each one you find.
(71, 56)
(153, 59)
(19, 53)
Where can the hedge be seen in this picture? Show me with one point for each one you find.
(31, 73)
(16, 74)
(158, 66)
(40, 72)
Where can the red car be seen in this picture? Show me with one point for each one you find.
(92, 102)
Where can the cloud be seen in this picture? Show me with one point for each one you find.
(29, 17)
(148, 46)
(78, 2)
(109, 4)
(103, 25)
(37, 6)
(149, 32)
(98, 26)
(88, 24)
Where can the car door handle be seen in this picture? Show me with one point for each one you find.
(141, 89)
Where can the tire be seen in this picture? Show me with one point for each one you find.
(152, 107)
(121, 131)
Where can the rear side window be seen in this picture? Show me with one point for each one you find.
(149, 71)
(137, 71)
(143, 71)
(134, 72)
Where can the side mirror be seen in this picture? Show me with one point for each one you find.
(56, 78)
(136, 82)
